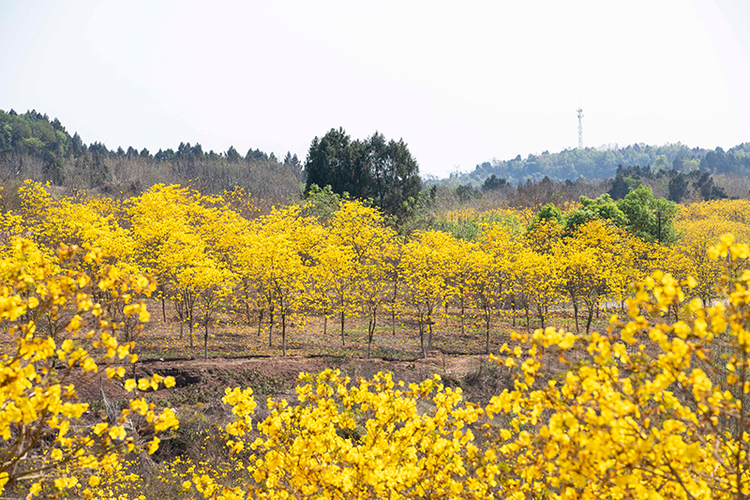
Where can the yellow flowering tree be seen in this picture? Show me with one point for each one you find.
(422, 274)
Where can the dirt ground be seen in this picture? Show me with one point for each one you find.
(239, 355)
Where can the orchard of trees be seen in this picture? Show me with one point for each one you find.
(338, 259)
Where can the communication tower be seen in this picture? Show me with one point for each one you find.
(580, 128)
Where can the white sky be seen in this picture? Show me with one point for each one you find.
(460, 82)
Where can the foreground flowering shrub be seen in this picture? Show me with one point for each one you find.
(657, 407)
(59, 310)
(367, 439)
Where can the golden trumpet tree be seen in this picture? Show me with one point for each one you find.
(353, 259)
(594, 265)
(178, 235)
(283, 248)
(422, 272)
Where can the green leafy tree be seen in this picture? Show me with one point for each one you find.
(394, 175)
(603, 207)
(338, 161)
(649, 217)
(232, 155)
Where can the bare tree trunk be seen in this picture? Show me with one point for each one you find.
(540, 310)
(205, 339)
(343, 341)
(421, 332)
(371, 331)
(429, 336)
(393, 321)
(528, 318)
(463, 310)
(270, 327)
(487, 317)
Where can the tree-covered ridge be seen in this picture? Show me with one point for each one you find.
(602, 163)
(33, 146)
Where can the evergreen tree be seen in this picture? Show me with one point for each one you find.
(232, 155)
(678, 187)
(375, 168)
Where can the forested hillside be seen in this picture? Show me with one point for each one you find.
(33, 147)
(602, 163)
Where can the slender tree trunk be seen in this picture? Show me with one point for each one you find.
(575, 312)
(463, 310)
(325, 324)
(343, 341)
(429, 337)
(260, 320)
(540, 309)
(528, 318)
(270, 327)
(393, 309)
(205, 339)
(190, 329)
(393, 321)
(283, 334)
(163, 309)
(371, 331)
(487, 317)
(421, 331)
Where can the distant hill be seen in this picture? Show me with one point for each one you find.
(33, 146)
(602, 163)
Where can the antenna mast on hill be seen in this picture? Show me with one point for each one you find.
(580, 128)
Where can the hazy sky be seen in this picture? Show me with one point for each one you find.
(460, 82)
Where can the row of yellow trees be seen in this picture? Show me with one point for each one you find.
(207, 255)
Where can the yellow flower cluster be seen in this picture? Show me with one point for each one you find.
(43, 447)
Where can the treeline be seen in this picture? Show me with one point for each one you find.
(602, 163)
(679, 187)
(33, 146)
